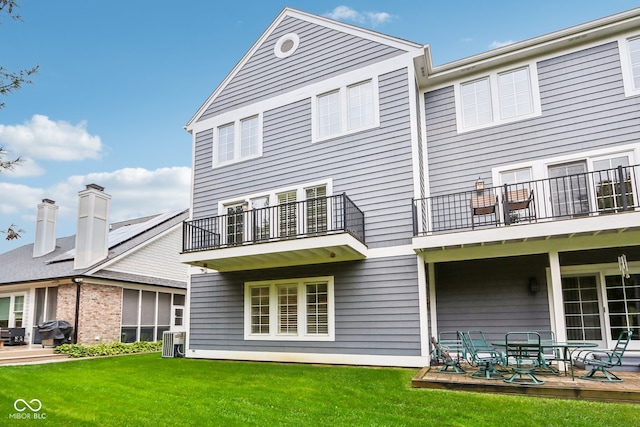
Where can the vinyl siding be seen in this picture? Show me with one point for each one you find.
(376, 309)
(158, 259)
(492, 295)
(373, 167)
(583, 108)
(322, 53)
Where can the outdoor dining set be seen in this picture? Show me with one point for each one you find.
(523, 357)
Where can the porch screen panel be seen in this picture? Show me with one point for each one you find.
(52, 304)
(164, 313)
(130, 305)
(4, 312)
(148, 316)
(581, 308)
(569, 189)
(623, 298)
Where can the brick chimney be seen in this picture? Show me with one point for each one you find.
(92, 235)
(45, 241)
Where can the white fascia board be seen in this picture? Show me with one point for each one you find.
(546, 46)
(330, 359)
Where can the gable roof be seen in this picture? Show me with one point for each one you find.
(392, 43)
(19, 265)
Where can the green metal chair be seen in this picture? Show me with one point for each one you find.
(449, 349)
(551, 354)
(601, 361)
(482, 355)
(524, 353)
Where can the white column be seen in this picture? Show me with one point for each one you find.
(554, 289)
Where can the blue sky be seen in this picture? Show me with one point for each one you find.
(118, 80)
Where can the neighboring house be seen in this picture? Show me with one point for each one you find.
(117, 282)
(347, 198)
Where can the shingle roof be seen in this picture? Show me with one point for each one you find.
(19, 265)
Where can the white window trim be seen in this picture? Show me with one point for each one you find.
(495, 98)
(277, 49)
(625, 63)
(237, 148)
(302, 311)
(344, 103)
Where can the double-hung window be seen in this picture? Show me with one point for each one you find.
(345, 110)
(630, 60)
(498, 98)
(237, 141)
(295, 309)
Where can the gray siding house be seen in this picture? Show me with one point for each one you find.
(350, 200)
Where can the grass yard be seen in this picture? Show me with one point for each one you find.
(146, 390)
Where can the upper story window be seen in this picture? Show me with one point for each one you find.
(344, 110)
(498, 98)
(630, 61)
(239, 140)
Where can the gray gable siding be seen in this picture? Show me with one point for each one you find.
(484, 295)
(373, 167)
(322, 53)
(583, 108)
(376, 309)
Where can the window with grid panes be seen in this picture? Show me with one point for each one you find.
(300, 309)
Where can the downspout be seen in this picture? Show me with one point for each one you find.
(78, 281)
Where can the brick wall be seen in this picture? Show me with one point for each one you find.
(100, 314)
(66, 309)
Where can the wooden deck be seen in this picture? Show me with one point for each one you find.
(555, 386)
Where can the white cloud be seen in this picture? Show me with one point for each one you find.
(497, 44)
(135, 193)
(43, 138)
(345, 13)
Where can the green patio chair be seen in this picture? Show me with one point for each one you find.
(482, 355)
(524, 354)
(551, 353)
(601, 360)
(449, 349)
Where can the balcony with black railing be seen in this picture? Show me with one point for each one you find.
(318, 230)
(597, 194)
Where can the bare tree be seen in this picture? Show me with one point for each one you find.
(10, 81)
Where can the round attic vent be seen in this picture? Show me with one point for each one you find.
(286, 45)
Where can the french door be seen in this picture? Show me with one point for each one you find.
(569, 189)
(597, 307)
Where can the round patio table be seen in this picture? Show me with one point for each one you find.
(567, 349)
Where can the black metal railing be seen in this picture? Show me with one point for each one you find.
(572, 196)
(308, 218)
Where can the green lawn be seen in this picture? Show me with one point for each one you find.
(146, 390)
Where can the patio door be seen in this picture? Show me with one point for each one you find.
(597, 307)
(569, 189)
(623, 306)
(582, 309)
(235, 224)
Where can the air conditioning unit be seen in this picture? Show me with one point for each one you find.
(173, 344)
